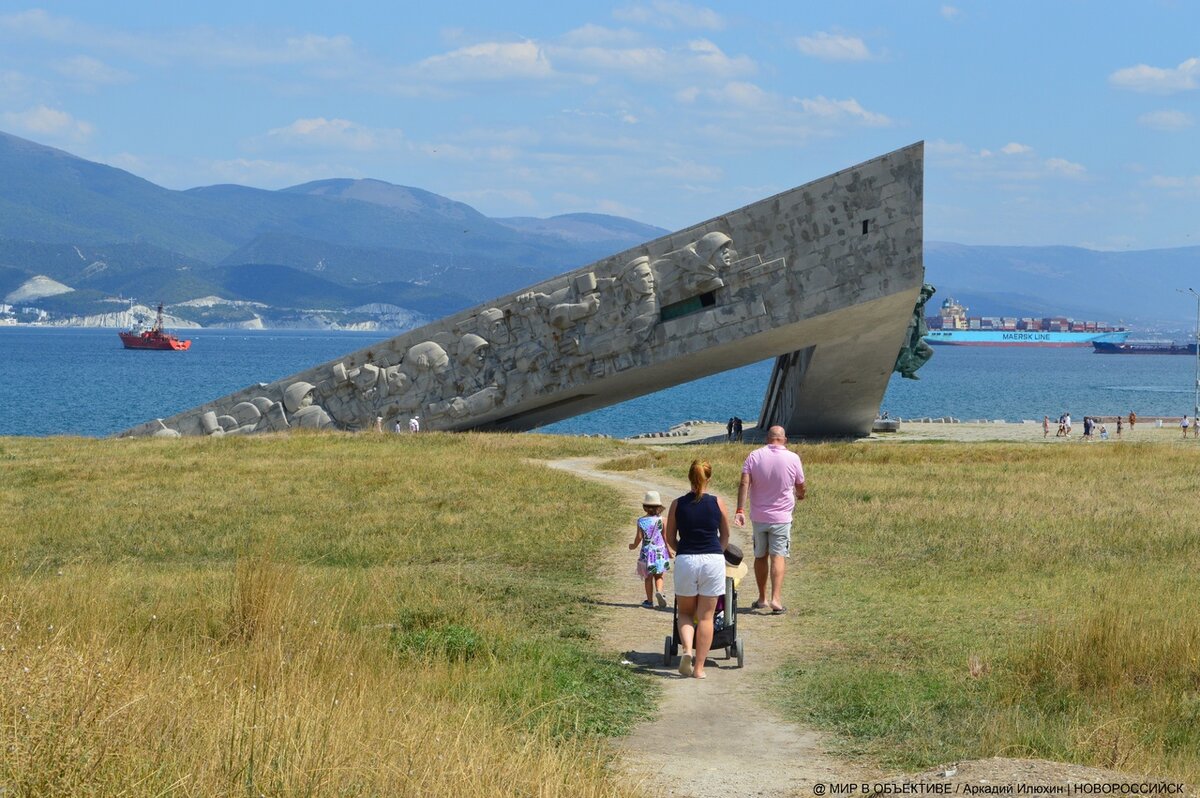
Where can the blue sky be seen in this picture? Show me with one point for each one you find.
(1047, 122)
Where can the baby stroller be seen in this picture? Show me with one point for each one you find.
(725, 620)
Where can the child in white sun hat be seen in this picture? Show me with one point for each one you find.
(654, 560)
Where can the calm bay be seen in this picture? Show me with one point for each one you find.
(76, 381)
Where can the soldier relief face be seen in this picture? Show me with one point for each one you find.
(725, 255)
(640, 279)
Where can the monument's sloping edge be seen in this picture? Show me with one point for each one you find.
(769, 278)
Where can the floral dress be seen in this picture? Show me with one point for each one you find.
(654, 558)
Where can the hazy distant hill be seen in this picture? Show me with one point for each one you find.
(345, 243)
(100, 229)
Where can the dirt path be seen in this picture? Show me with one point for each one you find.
(723, 732)
(733, 742)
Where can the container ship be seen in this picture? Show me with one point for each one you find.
(154, 338)
(953, 327)
(1142, 348)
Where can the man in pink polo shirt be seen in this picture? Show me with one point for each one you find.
(773, 479)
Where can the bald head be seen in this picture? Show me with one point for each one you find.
(776, 434)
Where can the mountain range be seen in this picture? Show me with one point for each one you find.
(359, 250)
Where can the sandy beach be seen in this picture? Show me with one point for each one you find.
(705, 432)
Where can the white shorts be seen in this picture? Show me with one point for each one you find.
(700, 575)
(773, 539)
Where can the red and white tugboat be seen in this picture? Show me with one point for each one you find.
(154, 338)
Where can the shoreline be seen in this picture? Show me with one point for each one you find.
(1028, 431)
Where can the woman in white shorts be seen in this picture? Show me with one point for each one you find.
(698, 532)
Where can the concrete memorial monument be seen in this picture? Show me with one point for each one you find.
(824, 277)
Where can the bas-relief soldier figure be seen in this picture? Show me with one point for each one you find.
(543, 341)
(915, 352)
(629, 315)
(556, 318)
(699, 264)
(478, 385)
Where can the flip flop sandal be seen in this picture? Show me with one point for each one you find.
(685, 664)
(779, 611)
(758, 605)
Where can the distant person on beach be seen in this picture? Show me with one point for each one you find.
(653, 560)
(1103, 432)
(1119, 420)
(1183, 425)
(1067, 423)
(773, 481)
(698, 531)
(737, 428)
(414, 424)
(1045, 426)
(1087, 428)
(729, 430)
(1132, 420)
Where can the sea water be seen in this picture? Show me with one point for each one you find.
(72, 381)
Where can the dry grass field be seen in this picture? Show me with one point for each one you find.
(404, 615)
(308, 615)
(956, 601)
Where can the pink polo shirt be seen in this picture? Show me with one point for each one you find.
(774, 472)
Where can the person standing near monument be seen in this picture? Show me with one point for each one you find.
(773, 481)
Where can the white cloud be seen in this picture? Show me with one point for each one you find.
(834, 47)
(1168, 120)
(1061, 166)
(680, 169)
(203, 45)
(85, 69)
(697, 57)
(13, 84)
(1157, 80)
(950, 12)
(599, 36)
(742, 95)
(707, 55)
(670, 14)
(1020, 167)
(489, 61)
(825, 108)
(49, 122)
(1174, 183)
(338, 134)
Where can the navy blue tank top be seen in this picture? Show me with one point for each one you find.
(699, 524)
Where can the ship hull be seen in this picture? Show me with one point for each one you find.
(156, 342)
(1020, 338)
(1142, 348)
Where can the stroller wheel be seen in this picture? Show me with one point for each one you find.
(739, 648)
(668, 649)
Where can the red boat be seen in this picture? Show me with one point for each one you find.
(154, 338)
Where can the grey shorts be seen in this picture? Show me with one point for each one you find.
(774, 539)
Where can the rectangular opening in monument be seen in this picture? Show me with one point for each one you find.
(687, 307)
(866, 224)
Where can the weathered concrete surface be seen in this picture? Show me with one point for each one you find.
(832, 267)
